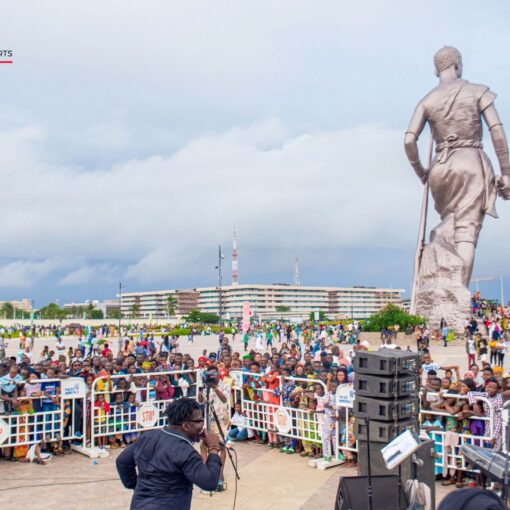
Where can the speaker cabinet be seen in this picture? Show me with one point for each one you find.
(376, 386)
(387, 362)
(386, 410)
(352, 493)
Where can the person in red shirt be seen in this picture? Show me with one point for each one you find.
(164, 389)
(101, 412)
(106, 352)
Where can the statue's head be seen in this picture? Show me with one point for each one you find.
(446, 57)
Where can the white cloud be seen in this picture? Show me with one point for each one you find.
(26, 273)
(104, 273)
(160, 218)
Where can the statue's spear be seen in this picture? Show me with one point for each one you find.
(421, 233)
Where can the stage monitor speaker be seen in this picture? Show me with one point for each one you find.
(408, 469)
(352, 493)
(376, 386)
(384, 431)
(387, 362)
(386, 410)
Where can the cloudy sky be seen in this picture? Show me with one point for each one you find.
(134, 135)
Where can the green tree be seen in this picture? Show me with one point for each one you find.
(391, 315)
(89, 311)
(322, 315)
(171, 304)
(52, 311)
(135, 310)
(97, 314)
(282, 308)
(114, 313)
(197, 317)
(7, 310)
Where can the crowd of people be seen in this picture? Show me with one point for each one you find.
(297, 367)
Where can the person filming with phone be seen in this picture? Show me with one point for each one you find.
(167, 463)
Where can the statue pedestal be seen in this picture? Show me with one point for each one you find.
(441, 293)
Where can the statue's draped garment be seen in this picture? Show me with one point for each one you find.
(461, 178)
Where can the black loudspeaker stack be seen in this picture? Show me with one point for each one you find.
(386, 386)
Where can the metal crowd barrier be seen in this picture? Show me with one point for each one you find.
(75, 414)
(45, 418)
(266, 411)
(145, 412)
(448, 443)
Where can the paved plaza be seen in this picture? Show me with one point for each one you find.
(267, 476)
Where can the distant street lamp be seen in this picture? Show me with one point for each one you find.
(220, 283)
(119, 343)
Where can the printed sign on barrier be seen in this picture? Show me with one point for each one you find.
(4, 431)
(147, 415)
(283, 421)
(73, 387)
(345, 395)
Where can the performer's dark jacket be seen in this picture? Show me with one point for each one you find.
(168, 466)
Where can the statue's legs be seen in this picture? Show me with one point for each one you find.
(466, 251)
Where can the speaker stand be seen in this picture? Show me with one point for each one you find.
(369, 467)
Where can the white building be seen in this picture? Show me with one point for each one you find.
(336, 302)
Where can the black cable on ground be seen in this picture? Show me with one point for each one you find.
(57, 483)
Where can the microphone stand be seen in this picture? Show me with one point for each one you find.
(210, 407)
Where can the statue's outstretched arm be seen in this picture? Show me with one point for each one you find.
(498, 137)
(410, 142)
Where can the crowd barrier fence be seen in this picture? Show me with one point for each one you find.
(128, 419)
(45, 416)
(74, 412)
(448, 443)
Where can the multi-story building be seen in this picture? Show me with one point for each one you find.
(24, 305)
(266, 301)
(107, 306)
(155, 304)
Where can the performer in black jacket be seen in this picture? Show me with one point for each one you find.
(167, 463)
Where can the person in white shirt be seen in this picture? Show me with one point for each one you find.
(60, 347)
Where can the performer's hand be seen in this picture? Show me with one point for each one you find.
(424, 176)
(210, 440)
(503, 186)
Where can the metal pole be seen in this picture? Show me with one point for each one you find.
(369, 461)
(220, 282)
(120, 317)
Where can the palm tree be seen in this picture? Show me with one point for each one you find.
(135, 310)
(171, 303)
(8, 310)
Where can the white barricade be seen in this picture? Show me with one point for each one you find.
(270, 411)
(113, 417)
(43, 416)
(345, 429)
(447, 444)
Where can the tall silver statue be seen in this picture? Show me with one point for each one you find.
(462, 184)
